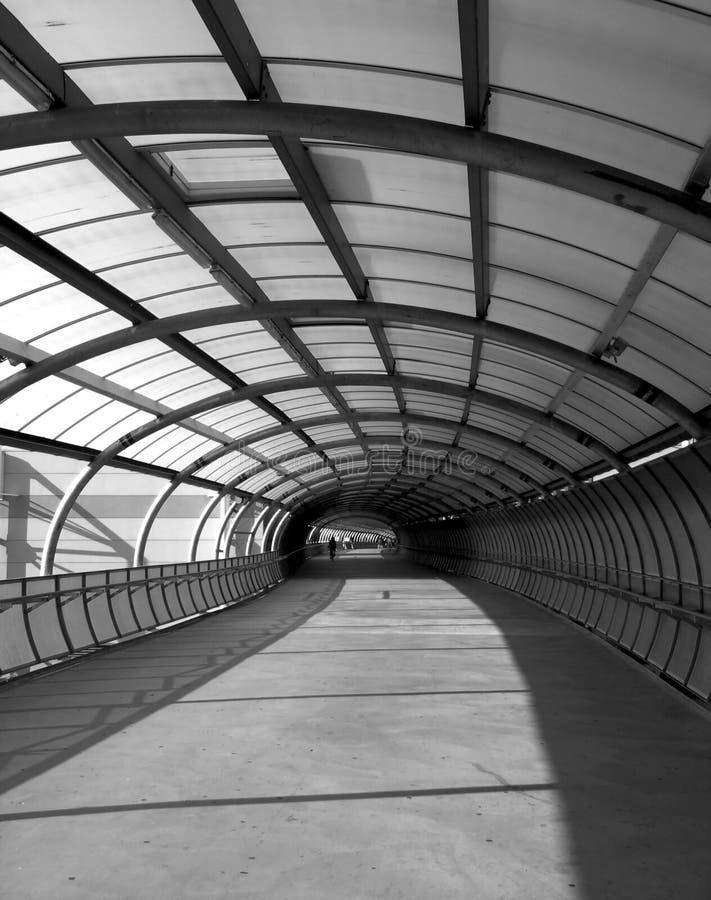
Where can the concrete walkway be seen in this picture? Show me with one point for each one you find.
(367, 730)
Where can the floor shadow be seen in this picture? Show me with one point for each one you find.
(117, 687)
(631, 757)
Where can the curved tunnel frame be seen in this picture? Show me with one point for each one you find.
(623, 557)
(494, 152)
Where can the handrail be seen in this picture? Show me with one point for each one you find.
(672, 640)
(46, 619)
(673, 609)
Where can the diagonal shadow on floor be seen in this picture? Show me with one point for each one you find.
(118, 687)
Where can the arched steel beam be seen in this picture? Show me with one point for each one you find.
(331, 500)
(354, 126)
(252, 534)
(439, 447)
(389, 312)
(231, 527)
(204, 405)
(476, 396)
(328, 518)
(353, 503)
(279, 531)
(317, 421)
(267, 546)
(228, 526)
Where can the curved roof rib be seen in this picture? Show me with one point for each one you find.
(238, 243)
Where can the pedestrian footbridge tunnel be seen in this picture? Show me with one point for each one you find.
(429, 278)
(624, 556)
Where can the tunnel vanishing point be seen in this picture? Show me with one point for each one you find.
(427, 283)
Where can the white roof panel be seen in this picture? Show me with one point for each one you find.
(360, 31)
(158, 80)
(101, 29)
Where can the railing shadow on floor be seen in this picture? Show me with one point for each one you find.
(117, 687)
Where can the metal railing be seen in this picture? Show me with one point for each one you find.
(47, 619)
(672, 639)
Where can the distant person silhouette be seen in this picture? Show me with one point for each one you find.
(332, 547)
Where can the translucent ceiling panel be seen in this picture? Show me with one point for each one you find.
(400, 93)
(304, 403)
(686, 266)
(257, 483)
(63, 337)
(607, 141)
(686, 358)
(326, 434)
(367, 399)
(428, 268)
(360, 31)
(432, 404)
(415, 350)
(303, 462)
(168, 442)
(617, 411)
(343, 348)
(490, 419)
(30, 156)
(157, 276)
(326, 288)
(453, 345)
(60, 194)
(409, 293)
(524, 364)
(190, 300)
(118, 428)
(282, 490)
(20, 410)
(521, 251)
(113, 242)
(393, 427)
(109, 364)
(75, 407)
(47, 311)
(103, 29)
(606, 56)
(158, 80)
(569, 217)
(141, 371)
(275, 446)
(676, 312)
(563, 452)
(541, 322)
(267, 365)
(231, 465)
(607, 425)
(96, 428)
(523, 387)
(364, 223)
(431, 433)
(230, 340)
(279, 261)
(11, 103)
(186, 452)
(237, 419)
(248, 222)
(552, 299)
(667, 363)
(184, 388)
(20, 276)
(353, 174)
